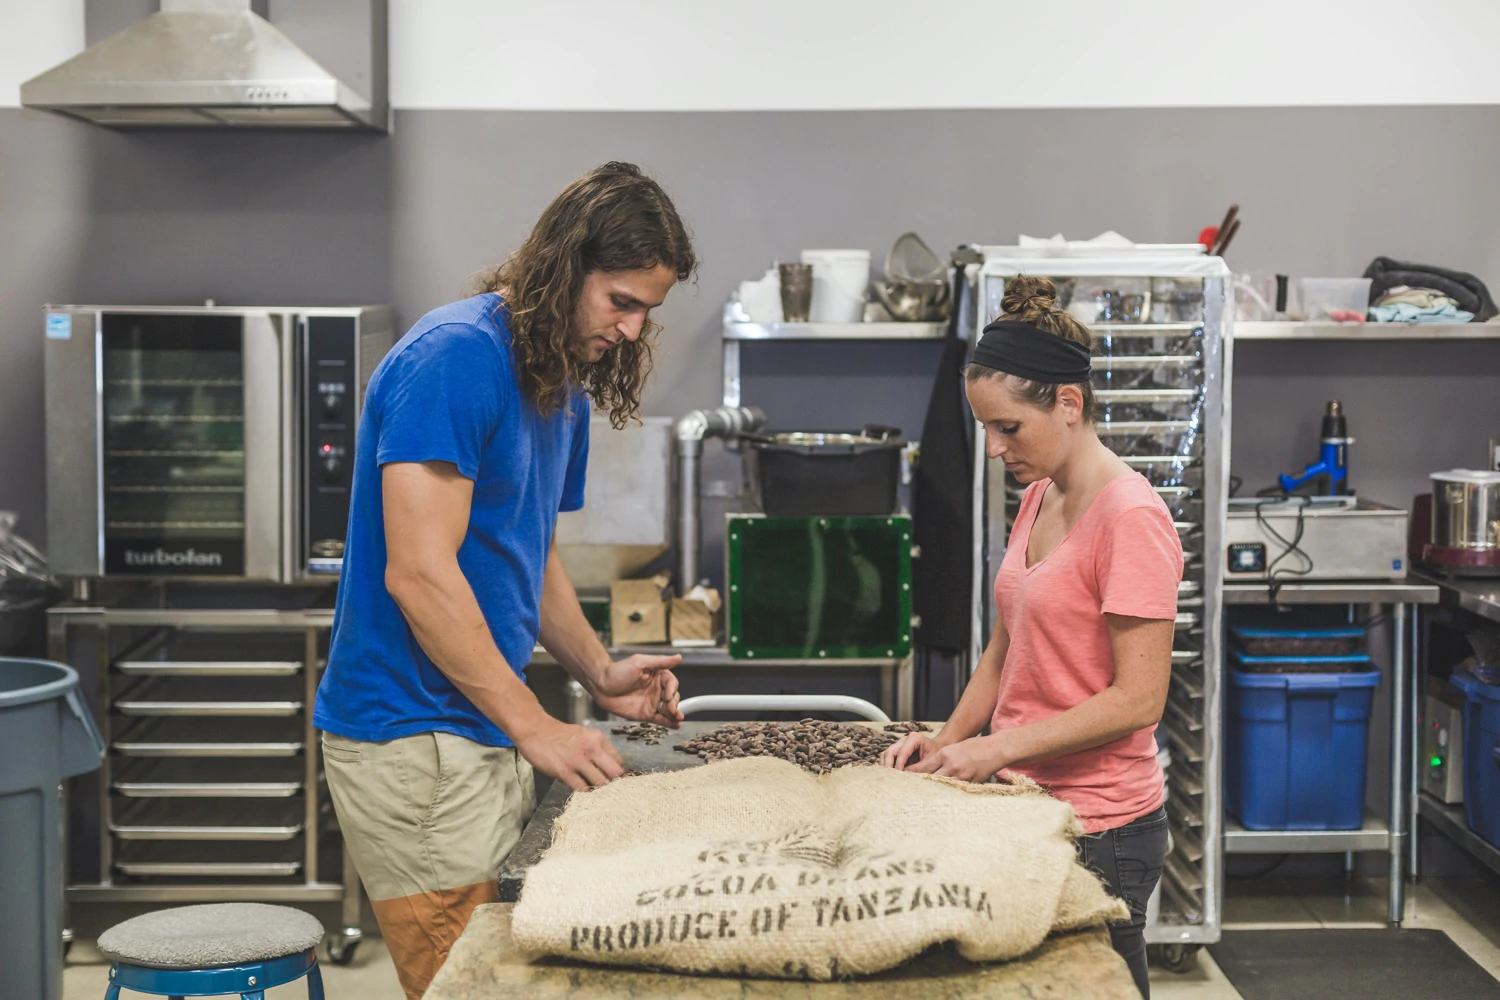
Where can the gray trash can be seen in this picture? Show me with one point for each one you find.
(46, 735)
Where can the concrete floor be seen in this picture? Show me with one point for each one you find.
(1467, 910)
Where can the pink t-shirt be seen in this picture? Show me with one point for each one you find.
(1122, 557)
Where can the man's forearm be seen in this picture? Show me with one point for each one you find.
(444, 615)
(565, 633)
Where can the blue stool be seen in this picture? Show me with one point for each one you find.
(213, 950)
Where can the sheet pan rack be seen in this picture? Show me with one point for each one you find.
(1163, 406)
(212, 788)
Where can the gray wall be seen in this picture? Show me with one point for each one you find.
(91, 215)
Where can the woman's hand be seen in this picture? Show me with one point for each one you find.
(911, 746)
(974, 759)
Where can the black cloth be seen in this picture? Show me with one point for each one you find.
(1468, 291)
(1129, 860)
(1022, 350)
(943, 502)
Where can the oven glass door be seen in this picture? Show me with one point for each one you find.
(174, 444)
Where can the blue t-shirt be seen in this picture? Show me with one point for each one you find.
(448, 392)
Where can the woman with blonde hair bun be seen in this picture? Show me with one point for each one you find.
(1074, 679)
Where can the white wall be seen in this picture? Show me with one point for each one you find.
(857, 54)
(34, 35)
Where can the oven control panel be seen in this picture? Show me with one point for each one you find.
(330, 374)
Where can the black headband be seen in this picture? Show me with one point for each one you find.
(1022, 350)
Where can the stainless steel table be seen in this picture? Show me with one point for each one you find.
(637, 756)
(1403, 597)
(897, 675)
(1479, 597)
(1476, 596)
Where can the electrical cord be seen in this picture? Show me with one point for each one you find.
(1292, 546)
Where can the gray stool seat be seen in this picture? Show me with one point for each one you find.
(201, 937)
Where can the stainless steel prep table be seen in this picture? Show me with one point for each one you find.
(1403, 597)
(1479, 597)
(897, 676)
(637, 755)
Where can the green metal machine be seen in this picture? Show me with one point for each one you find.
(819, 587)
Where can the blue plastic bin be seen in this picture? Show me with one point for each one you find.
(1295, 749)
(1481, 754)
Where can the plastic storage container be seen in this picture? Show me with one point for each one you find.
(840, 278)
(1299, 642)
(1481, 754)
(1357, 663)
(1341, 300)
(46, 735)
(1295, 749)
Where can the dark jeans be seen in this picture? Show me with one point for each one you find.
(1129, 860)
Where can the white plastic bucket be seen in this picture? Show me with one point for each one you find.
(839, 281)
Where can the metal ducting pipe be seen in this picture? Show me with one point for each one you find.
(690, 430)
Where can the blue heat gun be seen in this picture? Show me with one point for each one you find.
(1332, 468)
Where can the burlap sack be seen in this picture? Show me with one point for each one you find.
(756, 867)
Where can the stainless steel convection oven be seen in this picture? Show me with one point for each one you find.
(204, 442)
(199, 468)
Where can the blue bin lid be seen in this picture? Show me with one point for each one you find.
(1473, 687)
(25, 681)
(1311, 633)
(1306, 682)
(1354, 661)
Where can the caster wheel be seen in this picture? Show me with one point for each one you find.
(342, 948)
(1178, 957)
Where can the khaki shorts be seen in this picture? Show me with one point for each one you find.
(427, 821)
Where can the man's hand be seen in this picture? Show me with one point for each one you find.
(974, 759)
(642, 688)
(579, 757)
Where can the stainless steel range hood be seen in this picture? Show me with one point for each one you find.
(217, 63)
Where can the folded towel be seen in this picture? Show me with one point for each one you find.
(1422, 298)
(1405, 312)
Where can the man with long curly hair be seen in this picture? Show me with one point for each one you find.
(474, 436)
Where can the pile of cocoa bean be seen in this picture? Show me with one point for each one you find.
(650, 732)
(812, 744)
